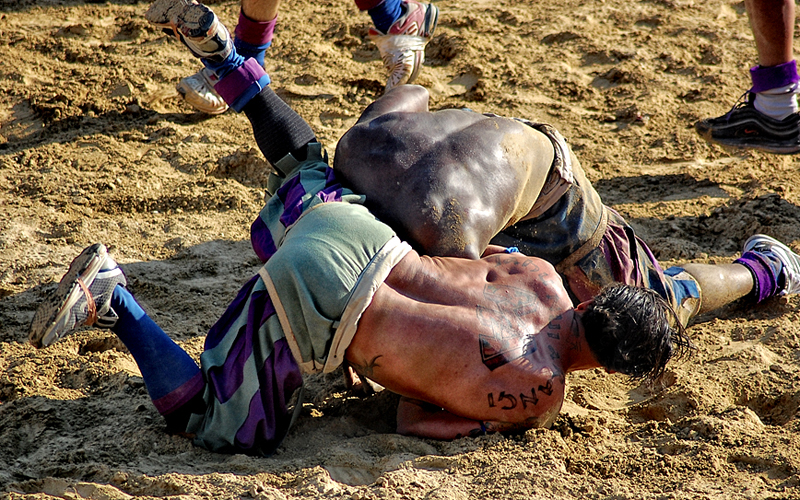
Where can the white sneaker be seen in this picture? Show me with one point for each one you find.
(198, 91)
(402, 48)
(83, 298)
(791, 261)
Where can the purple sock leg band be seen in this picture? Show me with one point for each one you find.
(764, 276)
(235, 83)
(254, 32)
(773, 77)
(367, 4)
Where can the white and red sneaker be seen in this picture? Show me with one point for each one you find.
(402, 48)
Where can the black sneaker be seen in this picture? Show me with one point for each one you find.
(746, 127)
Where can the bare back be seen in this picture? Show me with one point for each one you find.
(447, 181)
(484, 339)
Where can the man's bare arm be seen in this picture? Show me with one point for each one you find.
(418, 418)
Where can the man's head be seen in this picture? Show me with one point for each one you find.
(633, 330)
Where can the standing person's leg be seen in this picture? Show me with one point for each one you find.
(243, 83)
(402, 29)
(253, 35)
(767, 119)
(93, 293)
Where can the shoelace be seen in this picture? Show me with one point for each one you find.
(741, 102)
(91, 307)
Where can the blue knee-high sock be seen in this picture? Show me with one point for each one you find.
(384, 15)
(164, 365)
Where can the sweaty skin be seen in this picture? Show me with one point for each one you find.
(484, 340)
(448, 181)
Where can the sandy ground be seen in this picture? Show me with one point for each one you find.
(95, 145)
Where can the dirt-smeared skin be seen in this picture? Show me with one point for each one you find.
(96, 146)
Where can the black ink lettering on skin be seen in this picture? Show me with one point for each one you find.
(491, 400)
(573, 343)
(553, 353)
(547, 389)
(552, 329)
(512, 403)
(533, 399)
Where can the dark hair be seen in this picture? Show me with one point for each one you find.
(633, 330)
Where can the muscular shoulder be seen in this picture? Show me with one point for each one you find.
(537, 276)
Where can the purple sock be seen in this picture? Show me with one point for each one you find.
(772, 77)
(367, 4)
(252, 38)
(766, 271)
(242, 84)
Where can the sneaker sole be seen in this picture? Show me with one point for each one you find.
(161, 12)
(739, 145)
(196, 20)
(43, 330)
(778, 150)
(705, 130)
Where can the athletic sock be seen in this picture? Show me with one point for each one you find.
(386, 13)
(252, 38)
(778, 103)
(767, 271)
(277, 128)
(775, 88)
(170, 374)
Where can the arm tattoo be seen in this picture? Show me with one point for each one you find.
(366, 369)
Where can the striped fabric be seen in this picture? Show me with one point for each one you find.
(250, 373)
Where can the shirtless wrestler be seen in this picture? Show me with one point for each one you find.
(452, 181)
(486, 342)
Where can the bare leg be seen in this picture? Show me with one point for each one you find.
(772, 22)
(260, 10)
(720, 284)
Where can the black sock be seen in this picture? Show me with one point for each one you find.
(278, 129)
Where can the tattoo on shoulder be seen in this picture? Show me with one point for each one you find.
(573, 342)
(554, 328)
(504, 319)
